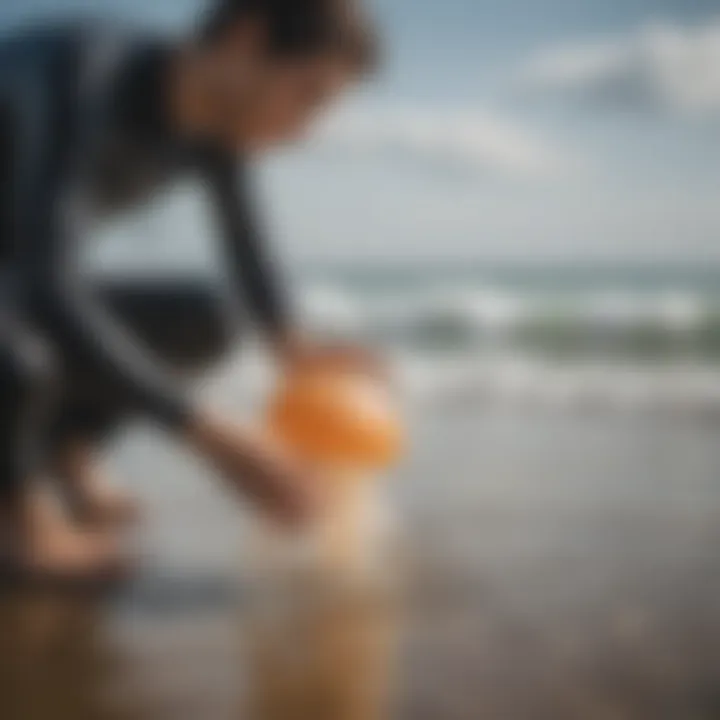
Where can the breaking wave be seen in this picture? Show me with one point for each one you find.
(667, 324)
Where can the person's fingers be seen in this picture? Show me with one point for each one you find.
(293, 502)
(344, 358)
(277, 486)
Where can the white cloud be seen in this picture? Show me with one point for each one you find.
(461, 141)
(659, 67)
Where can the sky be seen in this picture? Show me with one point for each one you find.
(501, 130)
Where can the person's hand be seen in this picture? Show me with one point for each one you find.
(302, 355)
(259, 470)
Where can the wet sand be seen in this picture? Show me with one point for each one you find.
(555, 565)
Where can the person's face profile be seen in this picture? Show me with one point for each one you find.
(261, 101)
(287, 98)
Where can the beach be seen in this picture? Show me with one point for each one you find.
(555, 563)
(552, 542)
(514, 204)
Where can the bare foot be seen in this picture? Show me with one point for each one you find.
(38, 543)
(92, 498)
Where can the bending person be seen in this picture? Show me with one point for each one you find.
(93, 122)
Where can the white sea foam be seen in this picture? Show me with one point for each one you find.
(462, 343)
(471, 314)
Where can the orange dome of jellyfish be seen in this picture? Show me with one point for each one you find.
(337, 419)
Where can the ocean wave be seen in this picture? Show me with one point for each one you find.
(453, 345)
(597, 322)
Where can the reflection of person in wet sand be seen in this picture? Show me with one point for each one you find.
(321, 637)
(94, 121)
(319, 660)
(54, 658)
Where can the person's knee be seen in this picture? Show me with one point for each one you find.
(188, 324)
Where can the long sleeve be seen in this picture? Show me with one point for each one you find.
(51, 222)
(254, 273)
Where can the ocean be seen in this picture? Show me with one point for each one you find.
(627, 336)
(557, 524)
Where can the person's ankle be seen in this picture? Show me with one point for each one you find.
(40, 542)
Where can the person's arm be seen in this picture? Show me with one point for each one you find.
(257, 277)
(50, 223)
(254, 273)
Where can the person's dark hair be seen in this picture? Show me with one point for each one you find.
(299, 28)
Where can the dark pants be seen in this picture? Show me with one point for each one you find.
(47, 399)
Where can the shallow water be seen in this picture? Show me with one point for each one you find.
(555, 565)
